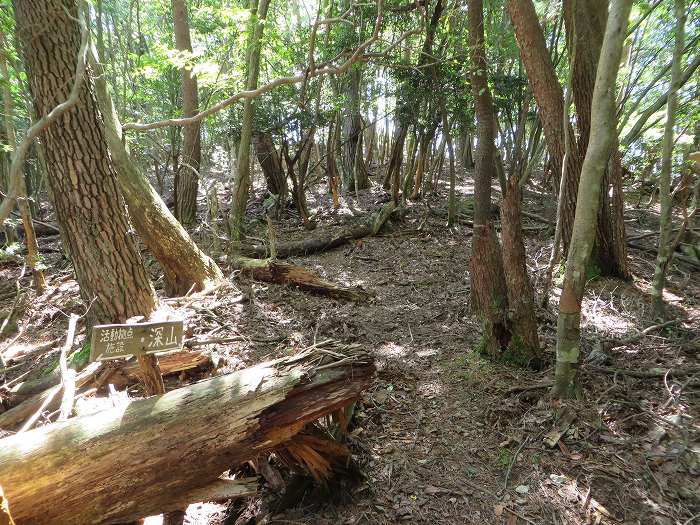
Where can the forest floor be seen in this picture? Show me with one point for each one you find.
(445, 435)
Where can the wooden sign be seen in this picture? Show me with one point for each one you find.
(116, 341)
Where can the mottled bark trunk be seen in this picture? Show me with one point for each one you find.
(486, 265)
(90, 209)
(600, 145)
(355, 170)
(664, 252)
(187, 177)
(585, 25)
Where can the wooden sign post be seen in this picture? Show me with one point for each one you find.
(115, 341)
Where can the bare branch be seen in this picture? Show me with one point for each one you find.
(357, 55)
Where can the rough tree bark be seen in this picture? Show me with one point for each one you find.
(114, 466)
(665, 224)
(550, 102)
(601, 142)
(355, 170)
(90, 209)
(187, 177)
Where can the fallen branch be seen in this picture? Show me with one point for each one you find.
(325, 241)
(115, 466)
(650, 373)
(67, 374)
(284, 273)
(45, 400)
(615, 343)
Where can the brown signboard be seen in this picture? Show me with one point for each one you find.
(116, 341)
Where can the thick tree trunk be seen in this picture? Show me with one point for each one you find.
(183, 263)
(271, 164)
(241, 182)
(355, 170)
(665, 249)
(90, 209)
(187, 177)
(141, 459)
(486, 265)
(602, 140)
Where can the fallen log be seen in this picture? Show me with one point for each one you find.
(324, 241)
(278, 272)
(136, 460)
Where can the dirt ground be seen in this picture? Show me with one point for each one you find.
(444, 435)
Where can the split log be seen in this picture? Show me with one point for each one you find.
(5, 516)
(24, 404)
(136, 460)
(324, 241)
(277, 272)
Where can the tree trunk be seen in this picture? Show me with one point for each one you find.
(525, 346)
(271, 164)
(585, 24)
(486, 265)
(601, 142)
(355, 172)
(117, 465)
(90, 209)
(183, 263)
(187, 178)
(550, 102)
(664, 252)
(241, 183)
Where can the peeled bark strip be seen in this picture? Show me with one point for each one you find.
(5, 516)
(117, 465)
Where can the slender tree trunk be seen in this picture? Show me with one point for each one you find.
(22, 198)
(486, 265)
(550, 102)
(665, 224)
(187, 178)
(601, 142)
(241, 184)
(585, 24)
